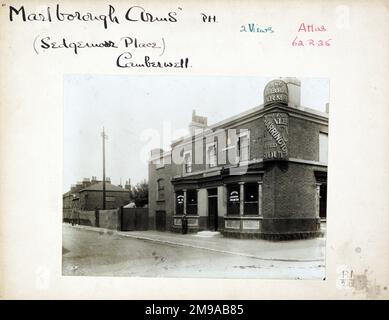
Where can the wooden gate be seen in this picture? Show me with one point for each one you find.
(133, 219)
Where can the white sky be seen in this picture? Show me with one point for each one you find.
(132, 107)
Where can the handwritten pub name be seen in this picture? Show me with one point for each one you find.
(132, 14)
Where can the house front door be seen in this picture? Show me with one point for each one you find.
(212, 211)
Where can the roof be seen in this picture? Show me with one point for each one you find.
(250, 112)
(67, 193)
(99, 187)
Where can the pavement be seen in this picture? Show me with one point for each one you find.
(308, 250)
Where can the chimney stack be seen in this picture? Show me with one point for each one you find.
(86, 182)
(294, 91)
(198, 123)
(327, 107)
(157, 152)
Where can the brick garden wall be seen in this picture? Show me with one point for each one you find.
(108, 219)
(87, 218)
(94, 199)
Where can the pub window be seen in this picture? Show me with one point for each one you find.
(191, 202)
(323, 147)
(161, 189)
(179, 202)
(251, 198)
(188, 162)
(233, 199)
(243, 148)
(212, 155)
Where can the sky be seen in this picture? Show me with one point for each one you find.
(140, 113)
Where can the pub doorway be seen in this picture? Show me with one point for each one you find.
(212, 209)
(160, 220)
(323, 202)
(321, 190)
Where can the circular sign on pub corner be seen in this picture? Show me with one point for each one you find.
(276, 91)
(234, 196)
(180, 199)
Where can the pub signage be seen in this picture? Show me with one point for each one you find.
(276, 136)
(180, 199)
(234, 196)
(276, 91)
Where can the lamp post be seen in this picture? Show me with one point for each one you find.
(104, 137)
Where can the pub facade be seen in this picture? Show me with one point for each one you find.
(259, 174)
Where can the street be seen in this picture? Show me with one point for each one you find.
(110, 253)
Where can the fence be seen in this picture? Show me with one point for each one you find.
(135, 219)
(125, 219)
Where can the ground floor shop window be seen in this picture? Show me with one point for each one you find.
(233, 199)
(191, 202)
(251, 198)
(180, 202)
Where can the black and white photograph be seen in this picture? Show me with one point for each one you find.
(195, 176)
(203, 151)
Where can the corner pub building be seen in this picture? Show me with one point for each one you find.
(260, 174)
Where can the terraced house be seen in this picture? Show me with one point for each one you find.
(259, 174)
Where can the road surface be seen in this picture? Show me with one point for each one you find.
(91, 253)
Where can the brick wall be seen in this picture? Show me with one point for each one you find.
(293, 190)
(89, 200)
(87, 218)
(289, 198)
(167, 203)
(304, 139)
(109, 219)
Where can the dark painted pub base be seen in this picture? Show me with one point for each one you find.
(284, 229)
(273, 236)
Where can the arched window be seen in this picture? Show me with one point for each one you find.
(160, 189)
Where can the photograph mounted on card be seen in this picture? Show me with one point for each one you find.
(240, 192)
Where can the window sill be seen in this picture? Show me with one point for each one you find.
(244, 217)
(188, 216)
(228, 148)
